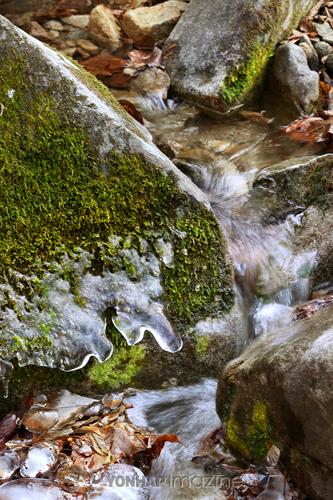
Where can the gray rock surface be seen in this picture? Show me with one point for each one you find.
(279, 392)
(222, 49)
(299, 83)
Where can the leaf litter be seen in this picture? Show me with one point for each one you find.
(269, 481)
(70, 445)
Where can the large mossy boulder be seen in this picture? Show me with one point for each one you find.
(280, 392)
(98, 229)
(219, 50)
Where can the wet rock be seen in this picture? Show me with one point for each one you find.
(80, 21)
(323, 49)
(316, 233)
(147, 26)
(299, 84)
(325, 31)
(278, 391)
(97, 274)
(104, 28)
(296, 187)
(293, 185)
(220, 53)
(211, 345)
(152, 81)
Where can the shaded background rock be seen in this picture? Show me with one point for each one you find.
(149, 26)
(279, 392)
(221, 52)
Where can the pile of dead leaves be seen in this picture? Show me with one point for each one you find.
(69, 440)
(116, 72)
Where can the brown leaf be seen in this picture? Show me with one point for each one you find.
(310, 129)
(140, 59)
(131, 110)
(117, 81)
(256, 117)
(104, 64)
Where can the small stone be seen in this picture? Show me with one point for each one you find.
(127, 4)
(38, 31)
(323, 49)
(299, 83)
(147, 26)
(70, 51)
(152, 81)
(88, 46)
(329, 64)
(67, 44)
(324, 31)
(79, 21)
(53, 34)
(104, 29)
(311, 55)
(54, 25)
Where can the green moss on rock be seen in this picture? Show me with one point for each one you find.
(237, 85)
(119, 370)
(249, 432)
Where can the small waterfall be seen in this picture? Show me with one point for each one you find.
(270, 275)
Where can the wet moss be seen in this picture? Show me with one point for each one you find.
(118, 371)
(202, 344)
(247, 75)
(249, 432)
(259, 431)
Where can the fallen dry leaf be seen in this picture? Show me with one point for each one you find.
(311, 129)
(131, 110)
(104, 64)
(256, 117)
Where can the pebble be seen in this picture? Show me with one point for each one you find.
(104, 28)
(311, 55)
(323, 49)
(149, 25)
(324, 31)
(88, 46)
(78, 21)
(54, 25)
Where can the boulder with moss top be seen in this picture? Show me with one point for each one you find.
(279, 392)
(98, 227)
(219, 52)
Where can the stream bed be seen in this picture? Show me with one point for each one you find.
(222, 155)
